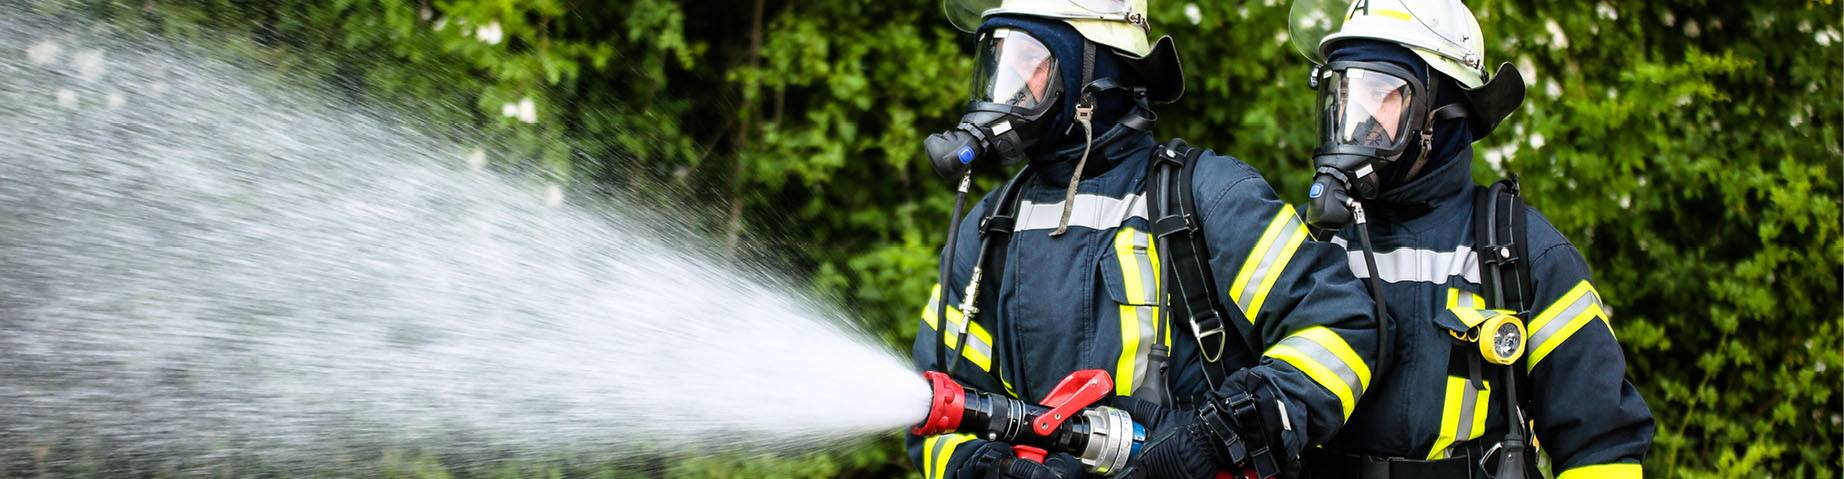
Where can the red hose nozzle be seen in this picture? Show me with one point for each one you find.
(944, 407)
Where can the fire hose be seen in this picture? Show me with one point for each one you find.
(1104, 438)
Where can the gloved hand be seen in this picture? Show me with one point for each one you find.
(1200, 442)
(1176, 447)
(995, 460)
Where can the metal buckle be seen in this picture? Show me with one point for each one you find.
(1487, 457)
(1202, 333)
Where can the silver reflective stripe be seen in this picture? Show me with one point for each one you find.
(1468, 396)
(1284, 237)
(1330, 361)
(1417, 265)
(974, 343)
(1148, 289)
(1468, 300)
(941, 443)
(1555, 324)
(1090, 211)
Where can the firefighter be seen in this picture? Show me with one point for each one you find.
(1498, 323)
(1063, 268)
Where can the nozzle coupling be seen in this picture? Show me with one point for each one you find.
(1105, 439)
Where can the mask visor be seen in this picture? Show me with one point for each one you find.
(1014, 69)
(1366, 108)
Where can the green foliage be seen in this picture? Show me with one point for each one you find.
(1689, 148)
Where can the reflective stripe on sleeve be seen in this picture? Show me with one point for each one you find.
(1562, 319)
(978, 350)
(938, 450)
(1139, 266)
(1604, 471)
(1462, 416)
(1265, 263)
(1328, 360)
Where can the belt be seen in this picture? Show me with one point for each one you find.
(1325, 464)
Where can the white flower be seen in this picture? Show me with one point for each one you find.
(509, 109)
(1692, 30)
(1551, 89)
(1557, 39)
(1607, 11)
(1537, 141)
(490, 33)
(1193, 13)
(528, 111)
(43, 52)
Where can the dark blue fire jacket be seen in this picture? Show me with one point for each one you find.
(1088, 299)
(1589, 420)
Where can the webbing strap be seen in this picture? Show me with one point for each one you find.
(995, 233)
(1172, 209)
(1499, 237)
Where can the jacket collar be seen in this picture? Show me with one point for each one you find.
(1436, 189)
(1112, 148)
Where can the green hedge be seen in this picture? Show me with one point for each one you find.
(1689, 148)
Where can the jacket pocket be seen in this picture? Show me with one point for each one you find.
(1130, 275)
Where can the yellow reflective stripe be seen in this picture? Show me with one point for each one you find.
(1462, 416)
(979, 350)
(1266, 261)
(1328, 360)
(938, 450)
(1562, 319)
(1139, 266)
(1459, 298)
(1604, 471)
(1396, 14)
(1473, 317)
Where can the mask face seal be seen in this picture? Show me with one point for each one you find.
(1369, 115)
(1016, 84)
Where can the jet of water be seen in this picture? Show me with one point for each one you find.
(195, 268)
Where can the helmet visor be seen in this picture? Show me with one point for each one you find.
(1310, 21)
(967, 15)
(1368, 108)
(1015, 69)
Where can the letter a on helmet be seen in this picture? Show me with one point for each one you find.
(1443, 33)
(1118, 24)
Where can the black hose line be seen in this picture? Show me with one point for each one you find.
(943, 283)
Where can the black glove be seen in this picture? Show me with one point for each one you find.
(995, 460)
(1176, 447)
(1203, 441)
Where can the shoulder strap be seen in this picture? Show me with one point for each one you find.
(995, 231)
(1498, 237)
(1172, 210)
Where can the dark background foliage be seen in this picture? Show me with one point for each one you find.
(1690, 148)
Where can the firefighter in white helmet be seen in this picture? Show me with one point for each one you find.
(1501, 342)
(1081, 262)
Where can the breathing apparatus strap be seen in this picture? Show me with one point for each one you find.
(1499, 238)
(1172, 209)
(995, 232)
(999, 219)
